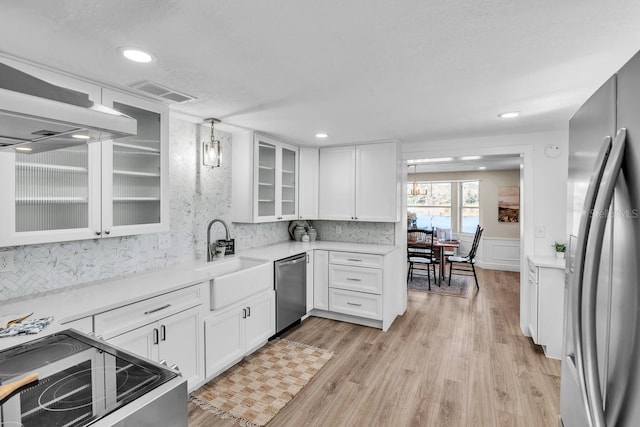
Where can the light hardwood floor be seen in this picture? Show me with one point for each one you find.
(447, 362)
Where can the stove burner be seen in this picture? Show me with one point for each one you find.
(74, 391)
(30, 359)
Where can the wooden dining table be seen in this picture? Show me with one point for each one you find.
(440, 246)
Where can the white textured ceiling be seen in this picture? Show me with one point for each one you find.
(361, 70)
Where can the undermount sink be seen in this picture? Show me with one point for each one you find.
(237, 278)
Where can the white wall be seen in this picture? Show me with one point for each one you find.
(543, 186)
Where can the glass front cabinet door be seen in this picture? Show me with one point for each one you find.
(99, 189)
(135, 170)
(275, 175)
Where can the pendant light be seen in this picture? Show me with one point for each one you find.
(415, 189)
(211, 155)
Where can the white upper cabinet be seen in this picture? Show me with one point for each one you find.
(93, 190)
(360, 183)
(264, 179)
(135, 170)
(308, 188)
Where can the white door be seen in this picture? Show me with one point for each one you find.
(377, 183)
(142, 341)
(179, 343)
(135, 170)
(259, 321)
(224, 340)
(337, 183)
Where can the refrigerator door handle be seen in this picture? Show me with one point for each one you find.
(579, 262)
(591, 270)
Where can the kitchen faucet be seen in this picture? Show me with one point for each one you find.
(228, 236)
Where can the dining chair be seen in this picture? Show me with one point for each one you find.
(420, 252)
(466, 264)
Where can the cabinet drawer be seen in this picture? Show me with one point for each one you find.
(355, 303)
(128, 317)
(355, 278)
(356, 259)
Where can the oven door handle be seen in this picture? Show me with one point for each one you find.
(7, 389)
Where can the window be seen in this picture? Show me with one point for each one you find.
(432, 209)
(469, 206)
(451, 205)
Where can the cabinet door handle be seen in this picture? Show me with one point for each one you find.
(244, 313)
(354, 279)
(107, 232)
(155, 335)
(248, 311)
(155, 310)
(354, 304)
(98, 233)
(163, 333)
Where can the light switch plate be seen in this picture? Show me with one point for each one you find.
(540, 231)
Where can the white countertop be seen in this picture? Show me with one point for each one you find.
(548, 262)
(84, 300)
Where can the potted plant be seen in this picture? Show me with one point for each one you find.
(561, 248)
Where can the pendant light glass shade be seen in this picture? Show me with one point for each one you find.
(211, 155)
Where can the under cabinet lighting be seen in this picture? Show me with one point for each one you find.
(80, 136)
(24, 149)
(482, 168)
(509, 114)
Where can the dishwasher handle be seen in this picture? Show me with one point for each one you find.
(291, 261)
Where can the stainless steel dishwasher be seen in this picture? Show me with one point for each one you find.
(291, 290)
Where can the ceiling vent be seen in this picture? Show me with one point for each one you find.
(162, 92)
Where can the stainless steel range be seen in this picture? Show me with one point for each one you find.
(83, 381)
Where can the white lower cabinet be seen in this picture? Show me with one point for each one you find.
(234, 332)
(546, 305)
(358, 287)
(164, 327)
(355, 284)
(173, 339)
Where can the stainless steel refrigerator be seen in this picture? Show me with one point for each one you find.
(600, 380)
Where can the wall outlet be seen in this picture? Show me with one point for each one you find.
(540, 231)
(6, 261)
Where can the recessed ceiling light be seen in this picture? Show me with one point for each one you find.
(509, 114)
(23, 149)
(80, 136)
(321, 135)
(136, 55)
(482, 168)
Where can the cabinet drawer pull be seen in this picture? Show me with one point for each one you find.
(353, 303)
(155, 310)
(248, 311)
(354, 259)
(354, 280)
(155, 335)
(244, 313)
(163, 333)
